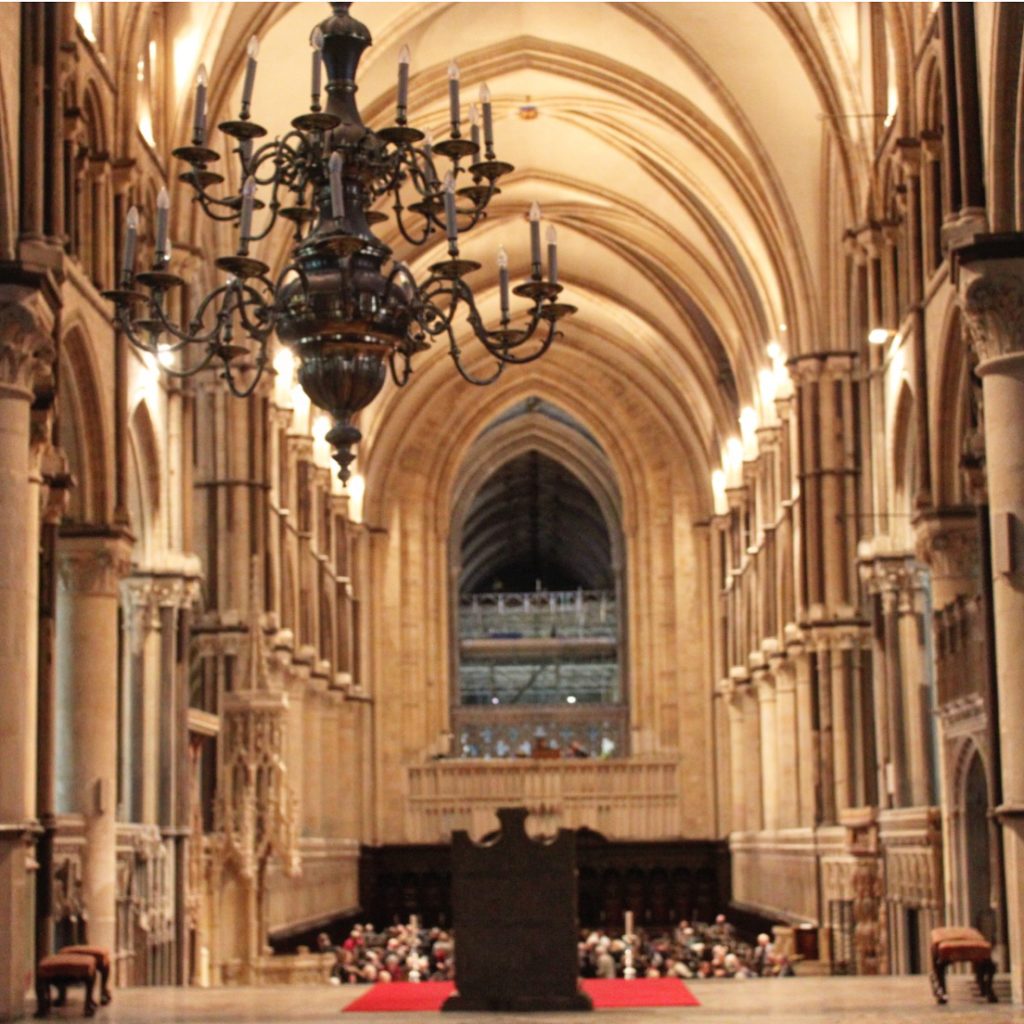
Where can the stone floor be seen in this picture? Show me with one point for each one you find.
(798, 1000)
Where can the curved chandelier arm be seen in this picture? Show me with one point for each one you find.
(456, 353)
(400, 379)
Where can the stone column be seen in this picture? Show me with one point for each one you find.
(990, 281)
(90, 567)
(764, 684)
(788, 793)
(737, 762)
(25, 349)
(914, 665)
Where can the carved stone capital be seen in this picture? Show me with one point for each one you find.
(93, 565)
(949, 546)
(26, 348)
(992, 300)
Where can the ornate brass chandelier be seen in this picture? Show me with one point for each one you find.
(349, 312)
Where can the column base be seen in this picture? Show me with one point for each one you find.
(16, 918)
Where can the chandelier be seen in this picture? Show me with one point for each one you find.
(350, 313)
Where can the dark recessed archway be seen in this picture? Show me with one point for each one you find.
(534, 525)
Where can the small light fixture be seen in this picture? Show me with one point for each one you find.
(528, 111)
(570, 699)
(878, 335)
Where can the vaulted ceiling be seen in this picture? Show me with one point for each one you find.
(681, 150)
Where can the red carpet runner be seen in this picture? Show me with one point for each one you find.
(405, 996)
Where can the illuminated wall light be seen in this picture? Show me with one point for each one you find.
(773, 350)
(300, 403)
(186, 56)
(356, 492)
(165, 356)
(783, 328)
(768, 383)
(321, 449)
(284, 367)
(718, 485)
(146, 127)
(732, 462)
(748, 432)
(878, 335)
(570, 699)
(83, 15)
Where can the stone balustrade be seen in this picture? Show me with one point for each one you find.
(622, 799)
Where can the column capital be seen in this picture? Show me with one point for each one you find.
(26, 348)
(949, 544)
(989, 274)
(93, 564)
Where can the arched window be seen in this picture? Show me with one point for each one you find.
(538, 619)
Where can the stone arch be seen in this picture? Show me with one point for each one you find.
(955, 431)
(83, 430)
(905, 471)
(144, 483)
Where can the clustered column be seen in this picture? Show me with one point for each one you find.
(25, 349)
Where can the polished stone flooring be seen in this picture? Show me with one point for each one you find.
(904, 1000)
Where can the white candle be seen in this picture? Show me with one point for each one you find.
(485, 102)
(335, 165)
(245, 221)
(318, 43)
(453, 95)
(404, 56)
(449, 208)
(250, 74)
(163, 210)
(552, 236)
(199, 112)
(474, 125)
(535, 235)
(130, 236)
(503, 281)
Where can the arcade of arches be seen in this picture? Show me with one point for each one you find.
(761, 577)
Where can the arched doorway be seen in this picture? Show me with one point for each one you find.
(978, 852)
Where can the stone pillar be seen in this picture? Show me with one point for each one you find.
(990, 279)
(765, 688)
(90, 567)
(737, 762)
(914, 666)
(788, 792)
(807, 761)
(25, 349)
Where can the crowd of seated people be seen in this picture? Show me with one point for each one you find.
(404, 952)
(692, 950)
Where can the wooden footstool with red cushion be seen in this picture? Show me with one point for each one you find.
(63, 969)
(961, 945)
(103, 961)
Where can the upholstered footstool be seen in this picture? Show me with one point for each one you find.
(62, 970)
(961, 945)
(103, 960)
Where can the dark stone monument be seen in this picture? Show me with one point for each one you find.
(514, 908)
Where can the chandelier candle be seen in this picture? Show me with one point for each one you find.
(163, 210)
(250, 76)
(199, 111)
(404, 56)
(535, 238)
(317, 41)
(474, 126)
(453, 97)
(245, 219)
(552, 254)
(451, 224)
(485, 102)
(503, 282)
(335, 165)
(349, 312)
(131, 235)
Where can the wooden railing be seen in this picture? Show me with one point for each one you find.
(636, 798)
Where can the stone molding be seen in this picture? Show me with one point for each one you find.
(25, 349)
(93, 566)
